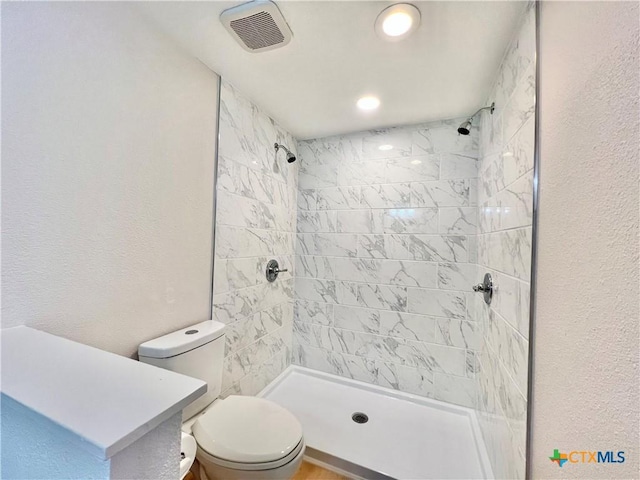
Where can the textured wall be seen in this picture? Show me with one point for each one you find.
(505, 199)
(385, 259)
(33, 447)
(585, 394)
(155, 456)
(107, 166)
(255, 222)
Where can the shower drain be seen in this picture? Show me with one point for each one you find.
(360, 417)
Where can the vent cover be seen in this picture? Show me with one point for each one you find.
(257, 26)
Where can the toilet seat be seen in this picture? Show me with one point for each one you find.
(248, 433)
(206, 457)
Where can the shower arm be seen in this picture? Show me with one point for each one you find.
(492, 107)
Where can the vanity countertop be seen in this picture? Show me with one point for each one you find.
(105, 401)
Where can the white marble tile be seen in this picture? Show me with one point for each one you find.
(335, 339)
(358, 319)
(390, 246)
(399, 138)
(408, 326)
(318, 176)
(419, 168)
(457, 167)
(359, 221)
(418, 381)
(458, 221)
(517, 156)
(386, 196)
(511, 348)
(316, 221)
(239, 211)
(410, 220)
(347, 293)
(240, 180)
(377, 347)
(351, 366)
(338, 198)
(407, 273)
(457, 333)
(330, 150)
(242, 242)
(434, 248)
(472, 363)
(316, 290)
(441, 193)
(439, 303)
(357, 269)
(307, 311)
(437, 358)
(327, 244)
(516, 203)
(314, 267)
(383, 297)
(454, 389)
(508, 251)
(521, 105)
(444, 138)
(307, 199)
(457, 276)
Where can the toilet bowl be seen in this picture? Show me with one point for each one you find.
(188, 448)
(236, 438)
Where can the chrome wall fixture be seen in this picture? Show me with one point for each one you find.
(486, 288)
(273, 269)
(465, 127)
(290, 156)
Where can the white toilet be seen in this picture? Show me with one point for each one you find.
(240, 437)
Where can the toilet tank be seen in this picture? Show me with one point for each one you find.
(196, 351)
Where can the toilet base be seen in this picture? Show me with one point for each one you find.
(210, 471)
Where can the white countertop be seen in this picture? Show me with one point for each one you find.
(106, 400)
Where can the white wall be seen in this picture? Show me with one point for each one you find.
(108, 136)
(586, 379)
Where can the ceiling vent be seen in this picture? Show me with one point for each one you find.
(257, 26)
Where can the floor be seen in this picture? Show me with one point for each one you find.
(406, 437)
(309, 471)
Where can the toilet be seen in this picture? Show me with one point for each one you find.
(240, 437)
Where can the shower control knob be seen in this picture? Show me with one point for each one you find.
(273, 269)
(486, 287)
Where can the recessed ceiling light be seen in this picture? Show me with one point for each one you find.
(385, 147)
(416, 162)
(368, 103)
(397, 21)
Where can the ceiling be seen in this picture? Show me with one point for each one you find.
(445, 69)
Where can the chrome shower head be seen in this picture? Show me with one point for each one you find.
(290, 156)
(465, 127)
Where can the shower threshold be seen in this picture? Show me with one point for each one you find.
(375, 433)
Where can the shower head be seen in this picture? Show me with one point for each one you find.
(465, 127)
(290, 156)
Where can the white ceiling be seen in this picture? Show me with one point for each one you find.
(444, 70)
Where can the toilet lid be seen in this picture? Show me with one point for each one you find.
(247, 430)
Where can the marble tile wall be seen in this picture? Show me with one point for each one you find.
(385, 257)
(255, 222)
(505, 198)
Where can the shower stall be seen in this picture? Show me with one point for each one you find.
(399, 334)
